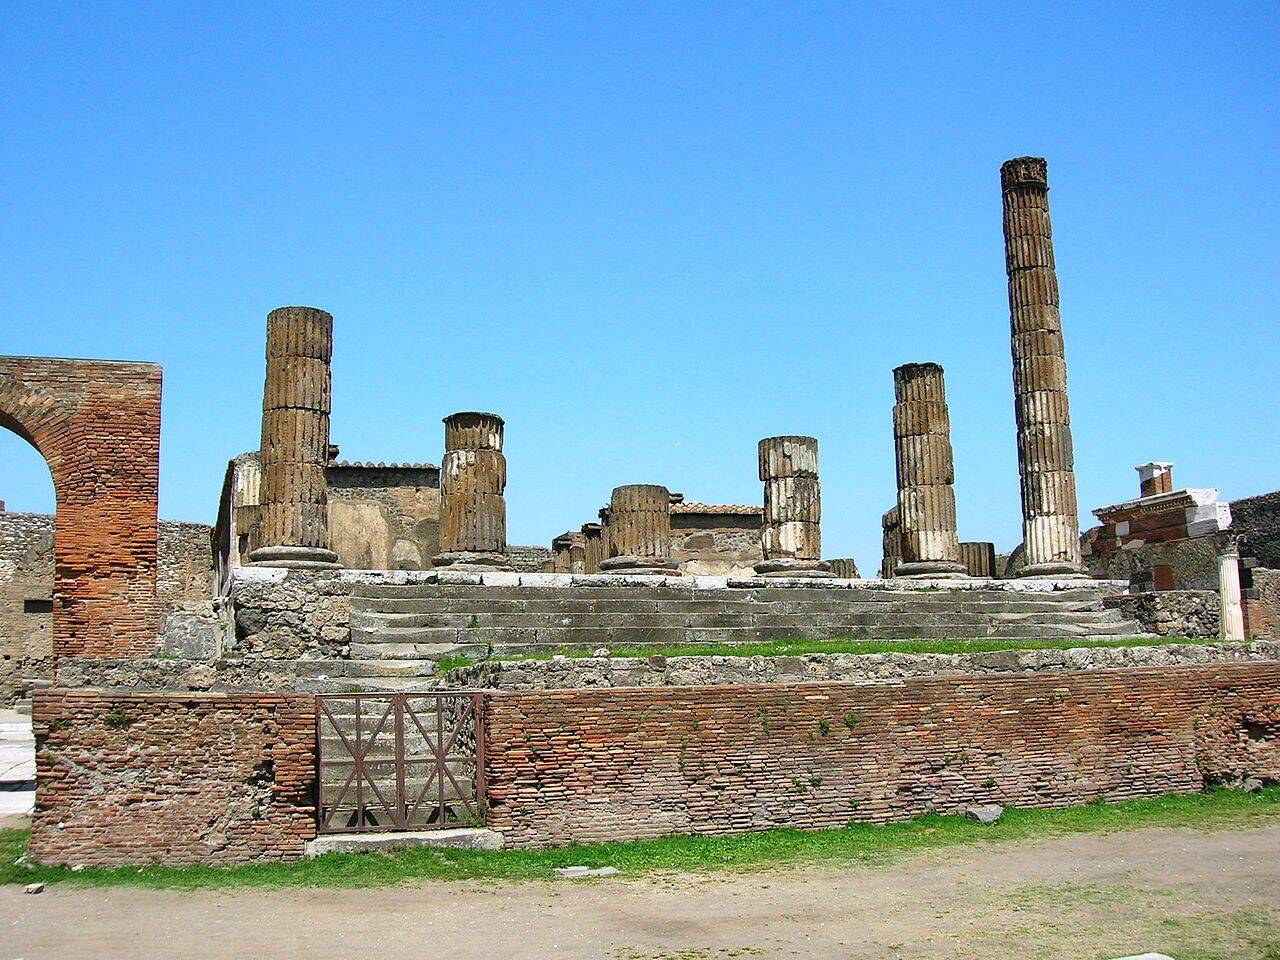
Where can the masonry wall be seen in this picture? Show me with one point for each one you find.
(597, 765)
(1262, 603)
(716, 545)
(97, 425)
(173, 779)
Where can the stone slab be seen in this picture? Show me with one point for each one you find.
(460, 838)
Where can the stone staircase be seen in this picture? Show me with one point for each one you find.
(400, 631)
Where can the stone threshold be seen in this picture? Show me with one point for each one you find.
(458, 838)
(269, 575)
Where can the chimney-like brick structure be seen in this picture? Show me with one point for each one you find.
(791, 532)
(926, 471)
(1154, 478)
(296, 403)
(639, 539)
(1050, 523)
(473, 477)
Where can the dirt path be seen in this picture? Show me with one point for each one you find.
(1188, 894)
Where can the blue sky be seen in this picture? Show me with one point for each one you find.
(650, 234)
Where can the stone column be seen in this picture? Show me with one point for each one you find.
(1232, 611)
(296, 402)
(640, 531)
(1050, 524)
(473, 476)
(926, 470)
(594, 546)
(791, 534)
(891, 542)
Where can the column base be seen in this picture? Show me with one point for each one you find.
(633, 566)
(931, 570)
(295, 558)
(788, 567)
(472, 561)
(1059, 570)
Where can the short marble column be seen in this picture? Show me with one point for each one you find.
(296, 402)
(640, 531)
(473, 476)
(1046, 463)
(926, 471)
(791, 532)
(1230, 602)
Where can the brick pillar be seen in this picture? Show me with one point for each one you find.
(473, 476)
(1050, 524)
(296, 401)
(640, 531)
(791, 532)
(926, 470)
(1154, 478)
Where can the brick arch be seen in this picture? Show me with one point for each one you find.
(97, 425)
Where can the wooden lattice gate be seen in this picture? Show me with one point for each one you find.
(399, 761)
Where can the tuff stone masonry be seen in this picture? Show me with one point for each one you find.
(473, 511)
(791, 537)
(97, 425)
(175, 779)
(589, 766)
(926, 471)
(296, 402)
(639, 525)
(1046, 463)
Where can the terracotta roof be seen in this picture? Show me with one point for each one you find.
(715, 508)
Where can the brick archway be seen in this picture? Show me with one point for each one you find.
(97, 425)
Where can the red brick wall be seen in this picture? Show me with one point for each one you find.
(610, 764)
(172, 778)
(97, 425)
(1262, 610)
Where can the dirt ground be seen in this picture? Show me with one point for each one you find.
(1187, 894)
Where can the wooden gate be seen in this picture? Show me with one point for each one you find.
(399, 761)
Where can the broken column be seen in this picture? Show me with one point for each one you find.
(891, 542)
(791, 533)
(1050, 525)
(593, 552)
(926, 470)
(639, 539)
(296, 402)
(1231, 629)
(473, 476)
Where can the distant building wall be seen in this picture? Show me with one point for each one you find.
(716, 539)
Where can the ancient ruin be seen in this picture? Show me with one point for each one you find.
(353, 647)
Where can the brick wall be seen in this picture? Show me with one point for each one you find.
(97, 425)
(595, 765)
(173, 779)
(1262, 604)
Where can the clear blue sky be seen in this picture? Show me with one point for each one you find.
(650, 234)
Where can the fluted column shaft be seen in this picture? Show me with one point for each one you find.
(791, 532)
(473, 476)
(1231, 628)
(1050, 521)
(639, 531)
(296, 403)
(926, 471)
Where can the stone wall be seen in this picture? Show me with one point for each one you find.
(384, 517)
(1256, 520)
(172, 779)
(97, 425)
(1262, 603)
(1171, 613)
(1188, 564)
(606, 765)
(659, 671)
(715, 540)
(189, 624)
(289, 614)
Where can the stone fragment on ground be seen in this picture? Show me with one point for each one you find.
(1251, 785)
(33, 888)
(577, 873)
(986, 814)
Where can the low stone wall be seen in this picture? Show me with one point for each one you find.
(174, 779)
(601, 765)
(576, 673)
(1171, 613)
(288, 614)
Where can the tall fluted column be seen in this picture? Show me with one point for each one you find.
(926, 470)
(1050, 523)
(296, 402)
(640, 531)
(1231, 629)
(791, 534)
(473, 476)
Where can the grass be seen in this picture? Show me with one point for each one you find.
(800, 647)
(859, 844)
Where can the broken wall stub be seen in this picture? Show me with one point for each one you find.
(1046, 462)
(97, 425)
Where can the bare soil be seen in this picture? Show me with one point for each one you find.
(1188, 894)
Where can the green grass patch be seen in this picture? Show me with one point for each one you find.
(860, 844)
(800, 647)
